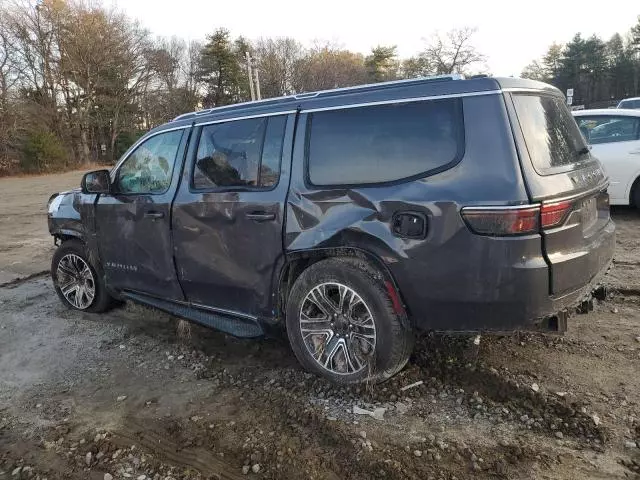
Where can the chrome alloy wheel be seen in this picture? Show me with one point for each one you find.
(76, 281)
(337, 328)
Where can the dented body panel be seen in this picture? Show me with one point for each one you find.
(226, 256)
(452, 279)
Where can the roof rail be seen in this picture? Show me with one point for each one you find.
(305, 95)
(454, 76)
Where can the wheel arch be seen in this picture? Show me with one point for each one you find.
(298, 261)
(63, 234)
(634, 185)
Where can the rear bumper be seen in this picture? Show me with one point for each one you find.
(514, 295)
(595, 262)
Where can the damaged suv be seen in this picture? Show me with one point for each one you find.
(349, 218)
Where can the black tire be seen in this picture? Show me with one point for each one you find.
(101, 301)
(635, 194)
(394, 335)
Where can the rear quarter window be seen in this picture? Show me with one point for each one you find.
(551, 135)
(384, 143)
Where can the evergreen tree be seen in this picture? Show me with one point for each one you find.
(221, 71)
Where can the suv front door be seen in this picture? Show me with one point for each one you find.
(133, 222)
(228, 214)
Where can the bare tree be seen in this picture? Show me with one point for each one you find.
(7, 79)
(277, 61)
(453, 52)
(174, 90)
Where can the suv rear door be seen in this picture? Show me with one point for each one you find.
(228, 213)
(570, 185)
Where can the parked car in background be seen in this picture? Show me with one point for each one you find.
(614, 136)
(348, 218)
(633, 103)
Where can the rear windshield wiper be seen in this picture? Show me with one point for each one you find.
(584, 151)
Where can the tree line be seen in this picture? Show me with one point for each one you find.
(600, 72)
(79, 82)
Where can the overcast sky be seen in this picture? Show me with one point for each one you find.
(509, 33)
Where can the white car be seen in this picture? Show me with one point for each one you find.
(630, 103)
(614, 136)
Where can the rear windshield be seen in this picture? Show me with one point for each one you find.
(629, 103)
(550, 132)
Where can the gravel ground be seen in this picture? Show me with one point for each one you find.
(122, 395)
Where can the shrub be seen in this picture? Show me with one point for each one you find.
(43, 152)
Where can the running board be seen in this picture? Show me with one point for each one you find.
(238, 327)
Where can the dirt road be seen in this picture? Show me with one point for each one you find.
(25, 244)
(120, 395)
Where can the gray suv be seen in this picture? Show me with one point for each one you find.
(349, 218)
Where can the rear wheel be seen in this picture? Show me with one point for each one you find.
(635, 194)
(342, 325)
(76, 279)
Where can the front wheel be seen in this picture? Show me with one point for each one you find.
(342, 325)
(76, 280)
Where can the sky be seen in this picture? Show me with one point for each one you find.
(510, 33)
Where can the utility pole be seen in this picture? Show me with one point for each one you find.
(258, 85)
(253, 94)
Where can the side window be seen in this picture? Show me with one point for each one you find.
(609, 129)
(384, 143)
(149, 168)
(240, 153)
(272, 151)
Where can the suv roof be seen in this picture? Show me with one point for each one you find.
(399, 89)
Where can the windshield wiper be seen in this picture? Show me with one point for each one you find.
(584, 151)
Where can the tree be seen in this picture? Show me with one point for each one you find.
(417, 66)
(635, 36)
(175, 89)
(634, 47)
(620, 67)
(382, 65)
(327, 66)
(535, 71)
(552, 62)
(452, 53)
(599, 72)
(221, 71)
(573, 68)
(278, 59)
(8, 78)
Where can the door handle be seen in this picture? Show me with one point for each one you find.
(261, 216)
(153, 215)
(635, 152)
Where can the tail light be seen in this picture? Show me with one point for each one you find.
(502, 221)
(554, 214)
(517, 220)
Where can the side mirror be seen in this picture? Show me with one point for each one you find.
(97, 181)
